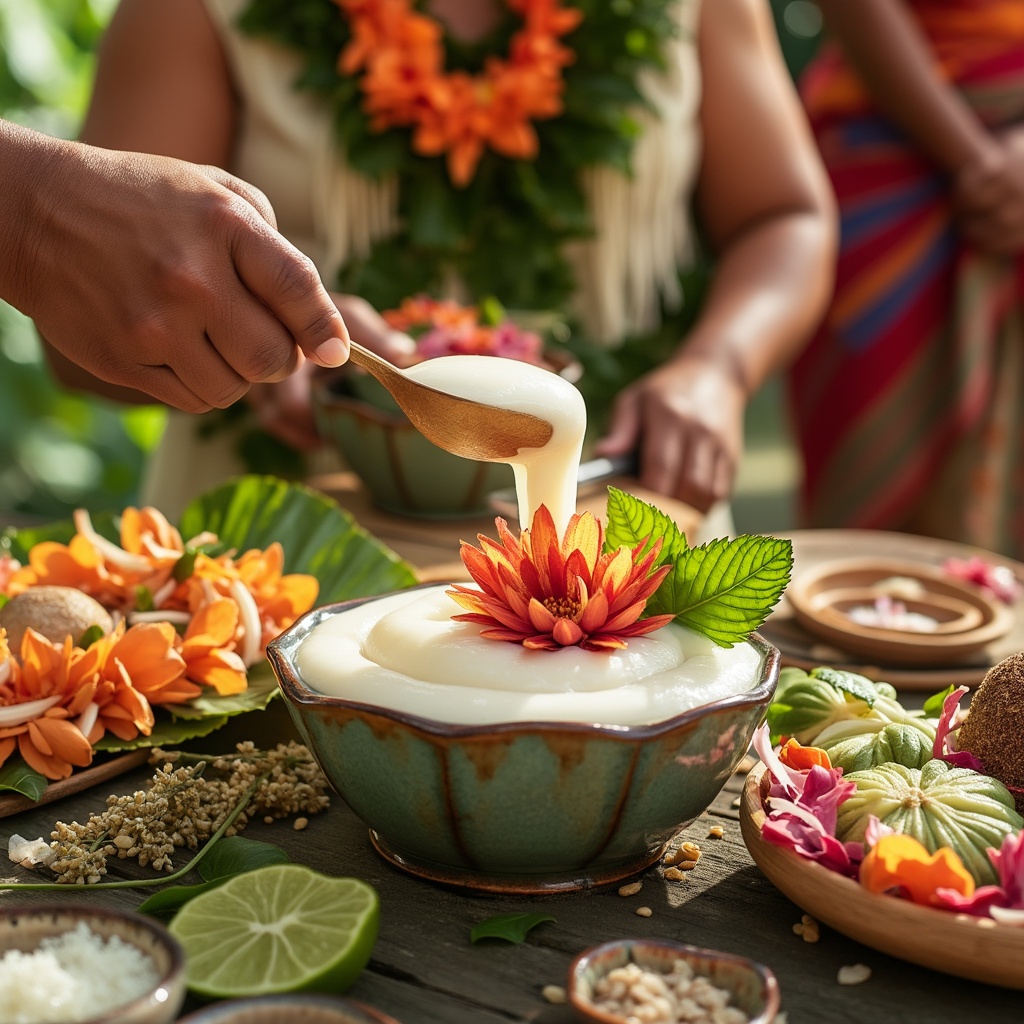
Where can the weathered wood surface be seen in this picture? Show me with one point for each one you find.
(424, 969)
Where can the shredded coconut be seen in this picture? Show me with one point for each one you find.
(72, 977)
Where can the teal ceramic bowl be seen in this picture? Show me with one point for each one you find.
(525, 807)
(751, 986)
(403, 472)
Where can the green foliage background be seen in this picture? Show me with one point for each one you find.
(58, 451)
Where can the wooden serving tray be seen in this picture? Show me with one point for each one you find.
(968, 947)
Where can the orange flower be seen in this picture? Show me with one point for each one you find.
(795, 755)
(456, 114)
(546, 595)
(208, 660)
(146, 658)
(900, 862)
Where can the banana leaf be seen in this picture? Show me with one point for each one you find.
(318, 537)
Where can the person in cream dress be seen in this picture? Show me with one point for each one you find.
(724, 137)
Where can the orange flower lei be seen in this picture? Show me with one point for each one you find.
(454, 113)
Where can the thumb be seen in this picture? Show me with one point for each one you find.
(623, 433)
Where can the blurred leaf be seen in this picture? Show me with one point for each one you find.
(508, 927)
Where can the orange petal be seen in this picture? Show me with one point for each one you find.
(901, 862)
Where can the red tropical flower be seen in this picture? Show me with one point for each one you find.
(547, 593)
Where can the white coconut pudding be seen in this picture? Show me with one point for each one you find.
(406, 653)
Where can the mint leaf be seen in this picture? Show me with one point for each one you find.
(508, 927)
(631, 521)
(726, 588)
(17, 777)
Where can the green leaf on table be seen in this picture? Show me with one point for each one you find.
(318, 536)
(232, 856)
(508, 927)
(17, 777)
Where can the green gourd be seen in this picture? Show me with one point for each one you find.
(873, 742)
(938, 805)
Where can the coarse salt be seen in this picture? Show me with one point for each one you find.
(72, 977)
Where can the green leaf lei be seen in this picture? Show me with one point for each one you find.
(504, 233)
(724, 589)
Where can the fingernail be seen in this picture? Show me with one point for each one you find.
(332, 352)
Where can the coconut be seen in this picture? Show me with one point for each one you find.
(994, 729)
(55, 612)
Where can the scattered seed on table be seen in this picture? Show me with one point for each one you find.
(268, 819)
(554, 993)
(853, 974)
(644, 911)
(300, 824)
(716, 832)
(630, 888)
(807, 929)
(673, 874)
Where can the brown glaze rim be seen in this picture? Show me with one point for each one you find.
(283, 649)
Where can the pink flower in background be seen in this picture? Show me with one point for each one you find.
(998, 580)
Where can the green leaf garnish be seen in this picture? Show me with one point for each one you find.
(143, 599)
(630, 522)
(724, 589)
(17, 777)
(90, 636)
(508, 927)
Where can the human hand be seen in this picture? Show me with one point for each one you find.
(988, 196)
(169, 278)
(686, 421)
(285, 409)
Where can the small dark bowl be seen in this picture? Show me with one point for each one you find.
(289, 1009)
(529, 807)
(751, 985)
(23, 927)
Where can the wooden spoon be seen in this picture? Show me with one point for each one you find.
(471, 429)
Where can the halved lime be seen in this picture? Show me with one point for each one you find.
(282, 928)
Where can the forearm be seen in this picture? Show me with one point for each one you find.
(883, 43)
(770, 289)
(27, 159)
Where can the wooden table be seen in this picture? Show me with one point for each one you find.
(424, 969)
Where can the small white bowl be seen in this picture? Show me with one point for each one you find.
(23, 927)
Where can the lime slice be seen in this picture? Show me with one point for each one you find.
(282, 928)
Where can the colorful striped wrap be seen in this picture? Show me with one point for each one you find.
(909, 402)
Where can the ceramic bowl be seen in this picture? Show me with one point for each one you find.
(968, 620)
(519, 807)
(23, 927)
(288, 1009)
(752, 986)
(401, 469)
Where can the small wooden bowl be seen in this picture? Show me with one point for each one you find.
(23, 927)
(751, 985)
(301, 1008)
(968, 947)
(968, 619)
